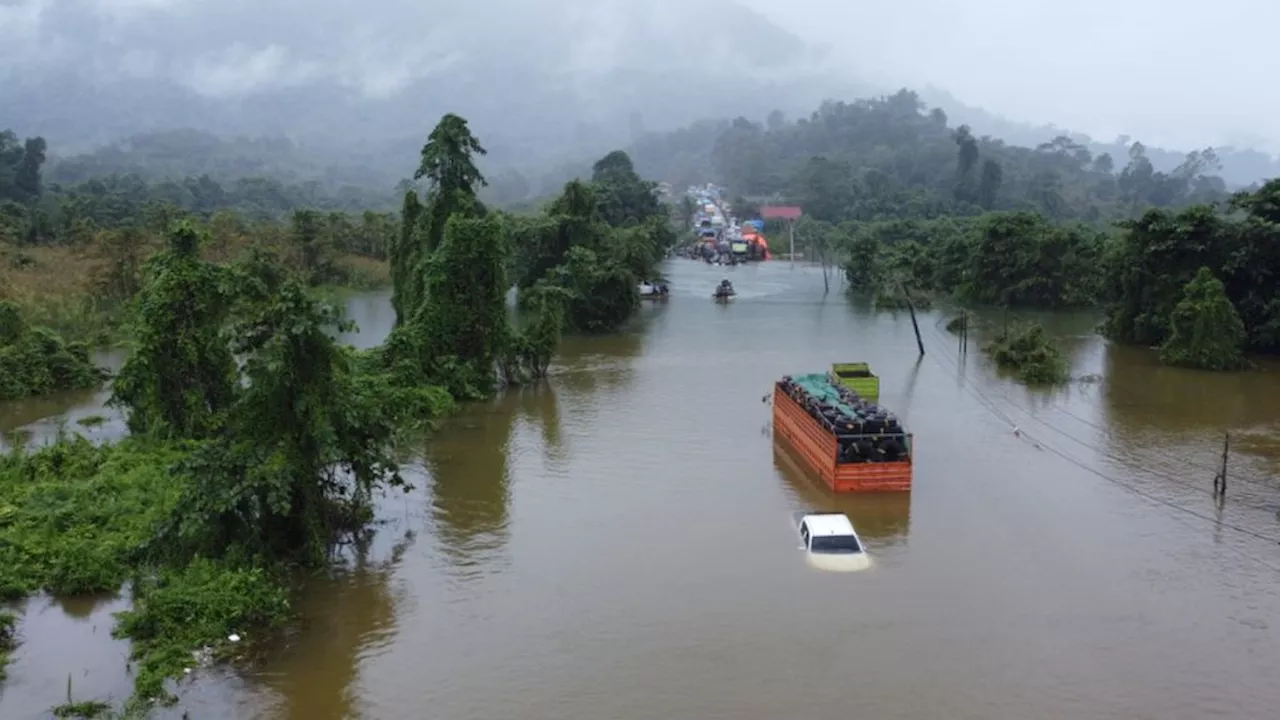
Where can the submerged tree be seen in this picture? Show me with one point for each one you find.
(1205, 331)
(464, 319)
(1029, 350)
(181, 378)
(305, 442)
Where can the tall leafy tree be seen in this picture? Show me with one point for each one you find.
(181, 378)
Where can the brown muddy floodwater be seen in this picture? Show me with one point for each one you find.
(617, 545)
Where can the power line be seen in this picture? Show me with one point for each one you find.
(991, 406)
(1152, 466)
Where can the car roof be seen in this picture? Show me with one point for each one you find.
(828, 524)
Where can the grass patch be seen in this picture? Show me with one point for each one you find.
(53, 288)
(363, 273)
(82, 710)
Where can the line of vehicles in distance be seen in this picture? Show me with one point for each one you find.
(721, 240)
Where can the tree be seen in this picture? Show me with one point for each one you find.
(1204, 330)
(181, 378)
(989, 184)
(447, 158)
(966, 162)
(453, 178)
(306, 442)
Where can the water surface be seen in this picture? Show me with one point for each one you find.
(616, 543)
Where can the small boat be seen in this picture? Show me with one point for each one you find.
(658, 291)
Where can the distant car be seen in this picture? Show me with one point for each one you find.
(830, 543)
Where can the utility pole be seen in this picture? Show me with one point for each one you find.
(915, 325)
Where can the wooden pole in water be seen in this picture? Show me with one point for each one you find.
(912, 309)
(791, 233)
(1220, 480)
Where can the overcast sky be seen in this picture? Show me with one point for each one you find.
(1179, 73)
(1182, 73)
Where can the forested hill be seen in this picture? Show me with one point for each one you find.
(176, 154)
(892, 157)
(906, 144)
(1241, 167)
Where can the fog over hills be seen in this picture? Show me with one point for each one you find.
(544, 82)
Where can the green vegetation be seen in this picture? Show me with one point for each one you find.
(1030, 351)
(889, 159)
(592, 246)
(35, 361)
(898, 199)
(1205, 332)
(8, 639)
(71, 255)
(256, 440)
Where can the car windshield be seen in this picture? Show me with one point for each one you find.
(835, 544)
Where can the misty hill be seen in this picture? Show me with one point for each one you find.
(545, 84)
(1241, 167)
(540, 79)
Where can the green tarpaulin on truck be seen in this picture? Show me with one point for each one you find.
(819, 387)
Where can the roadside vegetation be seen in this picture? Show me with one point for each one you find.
(257, 441)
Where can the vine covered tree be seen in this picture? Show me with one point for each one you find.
(1204, 330)
(181, 377)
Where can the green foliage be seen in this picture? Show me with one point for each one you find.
(1015, 259)
(890, 158)
(82, 710)
(447, 158)
(405, 271)
(892, 297)
(258, 439)
(456, 335)
(1020, 259)
(180, 610)
(596, 243)
(36, 361)
(1161, 252)
(181, 376)
(1029, 350)
(531, 348)
(1205, 332)
(8, 639)
(73, 515)
(301, 450)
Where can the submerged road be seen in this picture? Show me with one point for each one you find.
(618, 544)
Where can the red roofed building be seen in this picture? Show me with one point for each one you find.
(780, 212)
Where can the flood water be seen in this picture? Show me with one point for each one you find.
(617, 543)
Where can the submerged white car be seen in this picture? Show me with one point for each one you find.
(830, 543)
